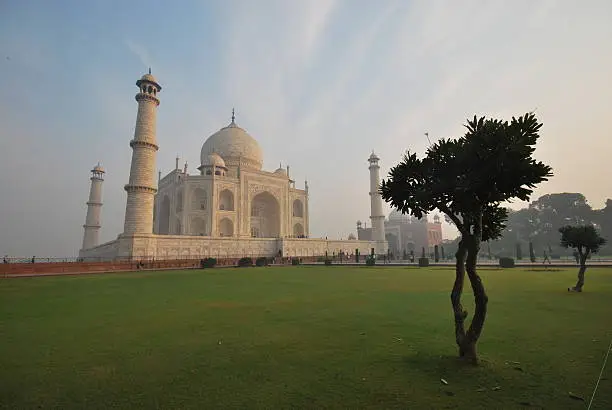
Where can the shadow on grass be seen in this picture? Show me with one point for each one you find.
(455, 370)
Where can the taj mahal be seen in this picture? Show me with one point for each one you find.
(231, 208)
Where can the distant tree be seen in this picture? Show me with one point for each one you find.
(436, 253)
(442, 252)
(519, 252)
(552, 211)
(603, 218)
(532, 257)
(585, 240)
(423, 253)
(467, 179)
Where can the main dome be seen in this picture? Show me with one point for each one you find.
(235, 146)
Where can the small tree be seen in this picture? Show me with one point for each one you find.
(436, 253)
(585, 240)
(532, 257)
(467, 179)
(442, 252)
(423, 253)
(519, 252)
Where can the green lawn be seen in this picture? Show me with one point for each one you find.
(306, 337)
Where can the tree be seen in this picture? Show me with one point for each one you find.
(585, 240)
(532, 257)
(552, 211)
(467, 179)
(442, 252)
(436, 253)
(519, 252)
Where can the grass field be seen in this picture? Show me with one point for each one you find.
(305, 337)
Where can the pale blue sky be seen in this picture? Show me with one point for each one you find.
(318, 83)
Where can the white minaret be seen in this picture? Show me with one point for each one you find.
(376, 207)
(94, 207)
(141, 187)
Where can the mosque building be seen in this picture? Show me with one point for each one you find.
(406, 234)
(231, 207)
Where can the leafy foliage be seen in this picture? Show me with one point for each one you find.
(467, 178)
(506, 262)
(244, 262)
(585, 238)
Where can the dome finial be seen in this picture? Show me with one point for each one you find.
(149, 70)
(233, 115)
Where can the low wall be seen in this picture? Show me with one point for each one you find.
(10, 269)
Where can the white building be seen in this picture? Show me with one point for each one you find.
(230, 208)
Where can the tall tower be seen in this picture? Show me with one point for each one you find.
(376, 214)
(94, 207)
(141, 187)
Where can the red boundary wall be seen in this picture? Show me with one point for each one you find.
(15, 269)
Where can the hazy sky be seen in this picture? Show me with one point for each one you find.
(318, 83)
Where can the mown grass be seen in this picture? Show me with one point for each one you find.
(305, 337)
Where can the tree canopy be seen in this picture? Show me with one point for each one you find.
(585, 239)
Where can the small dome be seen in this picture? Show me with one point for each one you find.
(98, 168)
(148, 77)
(236, 147)
(373, 157)
(281, 171)
(351, 237)
(213, 160)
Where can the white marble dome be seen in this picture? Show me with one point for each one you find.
(213, 160)
(235, 146)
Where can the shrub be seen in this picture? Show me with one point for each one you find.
(328, 261)
(555, 256)
(295, 261)
(320, 259)
(423, 262)
(246, 261)
(436, 254)
(506, 262)
(532, 257)
(261, 261)
(370, 260)
(208, 263)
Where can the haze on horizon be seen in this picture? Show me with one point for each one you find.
(319, 84)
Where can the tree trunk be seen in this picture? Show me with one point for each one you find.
(458, 311)
(480, 302)
(580, 282)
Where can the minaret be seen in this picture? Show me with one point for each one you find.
(376, 214)
(94, 207)
(141, 186)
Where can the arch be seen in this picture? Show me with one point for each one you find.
(198, 226)
(265, 215)
(226, 200)
(298, 208)
(179, 200)
(177, 226)
(393, 242)
(199, 200)
(149, 89)
(226, 227)
(298, 230)
(164, 216)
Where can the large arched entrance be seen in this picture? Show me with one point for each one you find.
(393, 244)
(265, 216)
(164, 216)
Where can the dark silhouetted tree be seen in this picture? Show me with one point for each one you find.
(442, 253)
(467, 179)
(436, 253)
(532, 257)
(585, 240)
